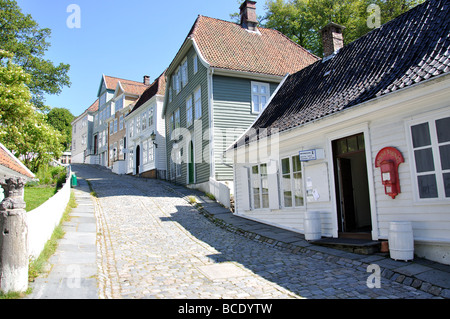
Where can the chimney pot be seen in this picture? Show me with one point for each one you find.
(146, 80)
(332, 38)
(248, 15)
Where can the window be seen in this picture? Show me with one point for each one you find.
(177, 118)
(431, 147)
(260, 186)
(138, 125)
(131, 128)
(184, 73)
(115, 125)
(111, 128)
(171, 123)
(189, 111)
(145, 152)
(177, 81)
(144, 121)
(102, 99)
(121, 122)
(292, 183)
(198, 103)
(150, 118)
(260, 96)
(170, 94)
(195, 63)
(119, 103)
(121, 145)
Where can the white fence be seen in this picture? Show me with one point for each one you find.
(43, 220)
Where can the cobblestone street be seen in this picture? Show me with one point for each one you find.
(151, 243)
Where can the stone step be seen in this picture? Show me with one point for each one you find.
(357, 246)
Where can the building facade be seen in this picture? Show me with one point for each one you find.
(360, 140)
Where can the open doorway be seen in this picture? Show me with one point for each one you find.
(138, 159)
(352, 187)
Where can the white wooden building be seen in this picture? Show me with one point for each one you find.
(314, 147)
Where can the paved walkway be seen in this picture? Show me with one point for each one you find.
(152, 243)
(72, 270)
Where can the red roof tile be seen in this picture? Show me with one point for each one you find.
(228, 45)
(8, 160)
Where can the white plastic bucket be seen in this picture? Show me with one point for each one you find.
(312, 224)
(401, 241)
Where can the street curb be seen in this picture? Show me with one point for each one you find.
(339, 257)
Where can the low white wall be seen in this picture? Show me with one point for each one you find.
(43, 220)
(120, 167)
(220, 191)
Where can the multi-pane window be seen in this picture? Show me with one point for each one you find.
(189, 112)
(119, 103)
(150, 118)
(260, 96)
(111, 128)
(144, 121)
(121, 122)
(260, 186)
(184, 73)
(177, 118)
(292, 183)
(138, 125)
(431, 146)
(115, 125)
(195, 62)
(144, 152)
(198, 103)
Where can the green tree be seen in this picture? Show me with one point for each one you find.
(61, 119)
(24, 130)
(301, 20)
(21, 35)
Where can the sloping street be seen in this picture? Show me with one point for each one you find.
(151, 243)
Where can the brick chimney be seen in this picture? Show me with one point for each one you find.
(249, 20)
(146, 80)
(332, 38)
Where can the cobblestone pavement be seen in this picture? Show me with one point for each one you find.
(154, 244)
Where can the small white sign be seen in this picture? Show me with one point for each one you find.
(311, 155)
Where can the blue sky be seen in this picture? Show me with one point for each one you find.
(126, 39)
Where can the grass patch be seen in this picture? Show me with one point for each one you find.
(37, 195)
(37, 266)
(93, 193)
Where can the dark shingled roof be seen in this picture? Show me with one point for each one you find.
(158, 87)
(412, 48)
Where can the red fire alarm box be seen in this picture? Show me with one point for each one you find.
(388, 160)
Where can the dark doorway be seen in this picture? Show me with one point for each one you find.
(352, 187)
(138, 159)
(95, 144)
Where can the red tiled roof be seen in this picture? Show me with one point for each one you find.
(9, 161)
(111, 82)
(228, 45)
(136, 89)
(93, 107)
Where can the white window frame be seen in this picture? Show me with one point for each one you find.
(292, 182)
(438, 171)
(195, 63)
(198, 103)
(115, 125)
(189, 111)
(258, 94)
(259, 180)
(121, 122)
(184, 72)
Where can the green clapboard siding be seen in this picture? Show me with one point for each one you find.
(232, 116)
(202, 166)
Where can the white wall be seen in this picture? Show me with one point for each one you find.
(384, 123)
(43, 220)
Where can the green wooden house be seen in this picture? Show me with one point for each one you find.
(218, 83)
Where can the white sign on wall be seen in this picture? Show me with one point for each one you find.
(311, 155)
